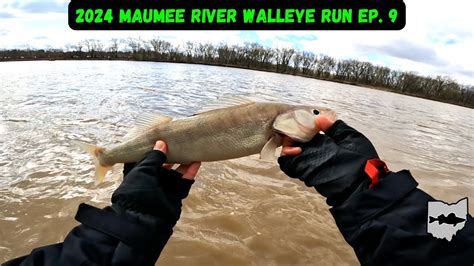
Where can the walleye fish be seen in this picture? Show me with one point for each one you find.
(237, 127)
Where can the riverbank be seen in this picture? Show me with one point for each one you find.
(468, 99)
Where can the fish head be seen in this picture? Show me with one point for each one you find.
(299, 123)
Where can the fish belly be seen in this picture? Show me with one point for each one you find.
(207, 144)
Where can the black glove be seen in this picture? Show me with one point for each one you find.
(333, 163)
(149, 188)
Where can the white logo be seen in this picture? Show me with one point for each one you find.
(444, 219)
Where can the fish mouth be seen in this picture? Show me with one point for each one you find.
(293, 137)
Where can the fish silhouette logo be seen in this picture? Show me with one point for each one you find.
(444, 220)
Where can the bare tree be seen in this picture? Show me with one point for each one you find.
(188, 48)
(79, 46)
(309, 59)
(114, 47)
(297, 61)
(325, 65)
(283, 59)
(93, 47)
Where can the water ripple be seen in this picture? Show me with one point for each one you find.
(239, 212)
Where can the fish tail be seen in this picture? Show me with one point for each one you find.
(94, 152)
(432, 219)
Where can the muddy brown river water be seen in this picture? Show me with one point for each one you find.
(239, 212)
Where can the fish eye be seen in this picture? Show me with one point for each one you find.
(315, 111)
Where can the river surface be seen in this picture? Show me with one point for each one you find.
(239, 212)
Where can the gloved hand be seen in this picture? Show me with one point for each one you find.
(150, 188)
(334, 163)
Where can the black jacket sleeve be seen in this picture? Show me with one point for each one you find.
(387, 225)
(125, 233)
(109, 236)
(385, 221)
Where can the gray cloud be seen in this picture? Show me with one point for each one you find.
(41, 7)
(408, 50)
(4, 32)
(6, 15)
(458, 73)
(464, 72)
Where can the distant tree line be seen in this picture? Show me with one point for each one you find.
(257, 57)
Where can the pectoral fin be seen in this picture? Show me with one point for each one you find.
(268, 151)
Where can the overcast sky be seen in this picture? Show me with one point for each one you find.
(438, 38)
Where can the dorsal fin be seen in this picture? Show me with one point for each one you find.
(146, 121)
(225, 102)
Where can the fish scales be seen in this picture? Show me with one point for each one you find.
(215, 135)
